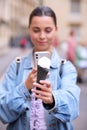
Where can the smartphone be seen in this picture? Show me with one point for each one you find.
(38, 55)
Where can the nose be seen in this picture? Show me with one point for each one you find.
(42, 35)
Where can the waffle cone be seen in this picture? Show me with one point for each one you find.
(41, 73)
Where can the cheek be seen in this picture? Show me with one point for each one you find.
(33, 37)
(51, 37)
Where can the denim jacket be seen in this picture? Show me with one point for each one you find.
(15, 99)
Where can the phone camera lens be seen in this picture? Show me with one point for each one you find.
(36, 56)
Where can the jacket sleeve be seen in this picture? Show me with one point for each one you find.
(13, 98)
(67, 97)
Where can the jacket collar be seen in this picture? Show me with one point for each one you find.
(55, 59)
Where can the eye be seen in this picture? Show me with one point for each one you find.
(36, 30)
(48, 29)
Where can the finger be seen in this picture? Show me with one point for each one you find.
(34, 79)
(45, 99)
(33, 74)
(47, 83)
(37, 85)
(35, 69)
(48, 74)
(42, 93)
(41, 87)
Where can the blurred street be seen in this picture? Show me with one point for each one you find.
(9, 55)
(81, 122)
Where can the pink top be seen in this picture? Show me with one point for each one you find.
(37, 116)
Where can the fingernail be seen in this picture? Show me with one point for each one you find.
(32, 90)
(34, 83)
(41, 81)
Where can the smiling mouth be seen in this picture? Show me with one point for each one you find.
(42, 43)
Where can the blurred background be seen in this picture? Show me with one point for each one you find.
(71, 36)
(14, 15)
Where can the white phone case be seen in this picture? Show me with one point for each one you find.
(38, 55)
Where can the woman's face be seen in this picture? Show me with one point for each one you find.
(42, 31)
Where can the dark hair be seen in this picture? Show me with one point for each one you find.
(43, 11)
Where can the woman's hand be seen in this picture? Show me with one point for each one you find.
(31, 79)
(45, 92)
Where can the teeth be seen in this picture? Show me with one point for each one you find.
(44, 62)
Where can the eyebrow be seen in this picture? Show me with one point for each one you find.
(36, 27)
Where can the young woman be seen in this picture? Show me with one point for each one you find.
(57, 103)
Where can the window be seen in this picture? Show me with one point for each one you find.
(5, 10)
(2, 8)
(75, 6)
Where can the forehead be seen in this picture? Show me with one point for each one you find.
(42, 20)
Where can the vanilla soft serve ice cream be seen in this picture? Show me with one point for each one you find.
(44, 62)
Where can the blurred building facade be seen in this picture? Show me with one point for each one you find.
(71, 14)
(14, 18)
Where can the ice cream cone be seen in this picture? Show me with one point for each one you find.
(42, 68)
(42, 73)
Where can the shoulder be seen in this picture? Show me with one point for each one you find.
(69, 68)
(24, 59)
(17, 60)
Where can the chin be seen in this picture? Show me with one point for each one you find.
(42, 49)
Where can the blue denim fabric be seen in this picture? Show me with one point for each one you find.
(15, 99)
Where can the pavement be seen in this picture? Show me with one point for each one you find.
(81, 122)
(3, 51)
